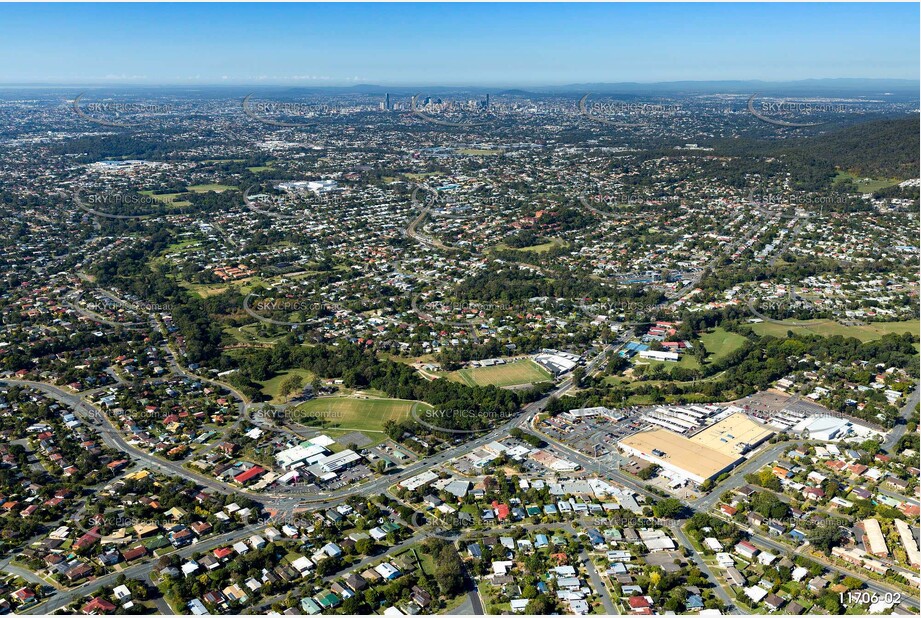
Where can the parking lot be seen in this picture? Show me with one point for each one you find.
(595, 436)
(765, 404)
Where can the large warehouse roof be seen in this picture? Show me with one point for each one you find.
(733, 435)
(679, 453)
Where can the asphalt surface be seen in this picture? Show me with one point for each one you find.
(899, 430)
(598, 585)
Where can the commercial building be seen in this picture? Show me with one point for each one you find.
(734, 435)
(823, 428)
(420, 480)
(683, 456)
(586, 413)
(339, 461)
(304, 453)
(249, 475)
(659, 356)
(551, 461)
(557, 363)
(317, 186)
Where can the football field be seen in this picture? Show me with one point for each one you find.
(523, 371)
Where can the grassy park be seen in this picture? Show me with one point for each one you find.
(524, 371)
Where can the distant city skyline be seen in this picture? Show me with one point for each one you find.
(502, 45)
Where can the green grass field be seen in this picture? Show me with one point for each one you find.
(249, 335)
(868, 185)
(829, 328)
(354, 413)
(204, 290)
(167, 198)
(181, 245)
(523, 371)
(272, 386)
(479, 151)
(720, 342)
(211, 187)
(543, 247)
(553, 243)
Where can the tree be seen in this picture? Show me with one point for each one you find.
(364, 547)
(831, 604)
(668, 508)
(449, 570)
(768, 505)
(352, 605)
(291, 384)
(825, 537)
(767, 479)
(700, 352)
(852, 583)
(540, 605)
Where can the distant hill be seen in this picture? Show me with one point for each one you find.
(885, 89)
(889, 89)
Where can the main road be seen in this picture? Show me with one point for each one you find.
(902, 423)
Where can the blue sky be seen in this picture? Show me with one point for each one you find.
(453, 44)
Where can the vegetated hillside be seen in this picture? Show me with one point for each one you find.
(883, 148)
(880, 148)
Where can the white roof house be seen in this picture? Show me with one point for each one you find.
(189, 568)
(756, 593)
(303, 564)
(121, 592)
